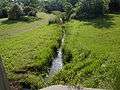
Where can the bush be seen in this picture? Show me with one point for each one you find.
(15, 12)
(91, 8)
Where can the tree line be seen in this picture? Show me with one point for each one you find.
(72, 8)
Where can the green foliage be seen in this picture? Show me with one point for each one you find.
(5, 4)
(27, 10)
(4, 8)
(69, 10)
(114, 76)
(60, 16)
(91, 54)
(91, 8)
(54, 5)
(34, 81)
(73, 2)
(27, 49)
(54, 20)
(15, 12)
(29, 19)
(31, 3)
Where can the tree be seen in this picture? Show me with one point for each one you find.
(4, 8)
(15, 12)
(30, 11)
(72, 2)
(4, 4)
(31, 3)
(69, 10)
(91, 8)
(54, 5)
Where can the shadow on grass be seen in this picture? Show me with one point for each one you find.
(118, 13)
(23, 19)
(32, 69)
(106, 21)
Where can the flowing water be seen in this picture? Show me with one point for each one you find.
(57, 63)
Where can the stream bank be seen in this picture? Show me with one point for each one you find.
(57, 63)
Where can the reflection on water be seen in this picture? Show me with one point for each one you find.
(57, 63)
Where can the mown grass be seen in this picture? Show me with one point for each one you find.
(91, 53)
(9, 28)
(27, 50)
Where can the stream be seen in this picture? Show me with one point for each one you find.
(57, 62)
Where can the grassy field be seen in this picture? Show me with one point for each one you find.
(27, 49)
(91, 53)
(12, 28)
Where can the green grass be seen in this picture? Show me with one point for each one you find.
(10, 28)
(91, 53)
(27, 49)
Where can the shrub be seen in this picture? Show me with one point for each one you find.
(91, 8)
(15, 12)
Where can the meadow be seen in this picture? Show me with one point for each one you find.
(91, 53)
(27, 49)
(78, 39)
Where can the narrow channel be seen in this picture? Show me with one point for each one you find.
(57, 62)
